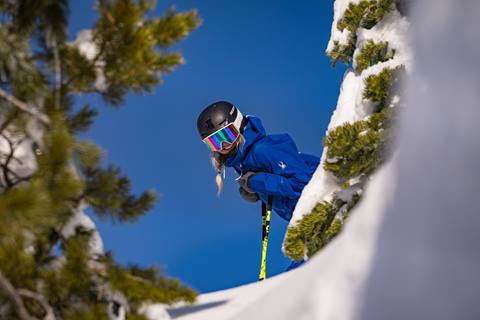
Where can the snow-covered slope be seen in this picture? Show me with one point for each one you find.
(410, 250)
(351, 105)
(227, 303)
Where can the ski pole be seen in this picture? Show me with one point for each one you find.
(266, 212)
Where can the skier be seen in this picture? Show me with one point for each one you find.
(268, 165)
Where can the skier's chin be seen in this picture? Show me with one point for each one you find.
(227, 150)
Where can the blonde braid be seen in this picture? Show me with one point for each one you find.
(218, 163)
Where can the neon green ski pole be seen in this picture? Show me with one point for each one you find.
(266, 212)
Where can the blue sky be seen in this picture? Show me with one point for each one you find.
(267, 57)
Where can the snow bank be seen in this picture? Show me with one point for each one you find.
(427, 257)
(227, 304)
(351, 106)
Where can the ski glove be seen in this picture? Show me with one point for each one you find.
(248, 196)
(244, 181)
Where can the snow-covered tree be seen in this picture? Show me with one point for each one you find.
(52, 261)
(371, 37)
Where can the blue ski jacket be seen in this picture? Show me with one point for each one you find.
(281, 170)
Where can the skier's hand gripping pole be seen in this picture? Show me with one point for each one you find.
(266, 212)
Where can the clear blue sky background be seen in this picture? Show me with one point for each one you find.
(267, 57)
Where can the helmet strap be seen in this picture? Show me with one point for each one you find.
(244, 124)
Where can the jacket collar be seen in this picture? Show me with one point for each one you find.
(254, 131)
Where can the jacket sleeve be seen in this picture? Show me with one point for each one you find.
(281, 168)
(272, 184)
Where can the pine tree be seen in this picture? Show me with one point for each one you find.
(354, 150)
(314, 231)
(49, 176)
(373, 53)
(364, 14)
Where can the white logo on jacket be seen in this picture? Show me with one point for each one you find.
(282, 165)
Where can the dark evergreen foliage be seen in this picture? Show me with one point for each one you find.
(353, 150)
(373, 53)
(359, 148)
(343, 52)
(43, 272)
(377, 86)
(316, 229)
(365, 14)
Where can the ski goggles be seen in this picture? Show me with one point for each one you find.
(227, 134)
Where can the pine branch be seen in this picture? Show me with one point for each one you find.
(93, 62)
(13, 294)
(58, 74)
(50, 314)
(24, 107)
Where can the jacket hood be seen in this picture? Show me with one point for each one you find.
(253, 132)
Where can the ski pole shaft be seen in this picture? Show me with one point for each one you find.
(266, 212)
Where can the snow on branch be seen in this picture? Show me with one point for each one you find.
(81, 221)
(91, 51)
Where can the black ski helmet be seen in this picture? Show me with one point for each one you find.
(216, 116)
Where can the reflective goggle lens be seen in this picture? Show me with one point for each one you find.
(227, 134)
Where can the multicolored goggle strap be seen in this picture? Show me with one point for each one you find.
(226, 134)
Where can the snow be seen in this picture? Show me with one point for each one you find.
(84, 43)
(321, 187)
(89, 49)
(339, 9)
(392, 29)
(23, 162)
(351, 106)
(80, 220)
(118, 307)
(227, 303)
(157, 312)
(348, 193)
(427, 258)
